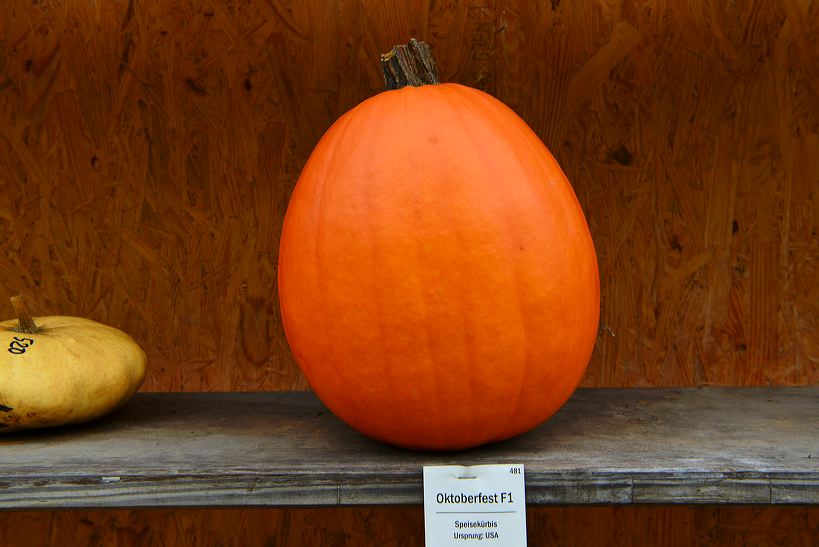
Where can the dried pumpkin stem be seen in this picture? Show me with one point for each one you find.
(409, 64)
(25, 323)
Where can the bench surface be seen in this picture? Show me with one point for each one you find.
(614, 446)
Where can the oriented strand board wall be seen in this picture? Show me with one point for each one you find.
(404, 527)
(148, 150)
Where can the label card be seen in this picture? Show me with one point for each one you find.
(475, 505)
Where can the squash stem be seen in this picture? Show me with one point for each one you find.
(409, 64)
(25, 323)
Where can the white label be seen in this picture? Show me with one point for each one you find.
(476, 505)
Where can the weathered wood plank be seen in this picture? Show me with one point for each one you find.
(621, 446)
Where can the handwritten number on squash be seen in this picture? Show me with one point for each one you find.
(18, 345)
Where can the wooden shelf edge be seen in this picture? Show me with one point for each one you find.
(253, 491)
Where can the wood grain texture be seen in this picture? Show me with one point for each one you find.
(402, 526)
(147, 152)
(614, 446)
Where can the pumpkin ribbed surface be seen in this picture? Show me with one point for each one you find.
(437, 279)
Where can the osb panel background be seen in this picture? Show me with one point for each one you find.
(404, 527)
(148, 150)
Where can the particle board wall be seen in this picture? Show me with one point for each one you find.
(404, 527)
(148, 150)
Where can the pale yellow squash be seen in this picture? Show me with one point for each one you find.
(70, 370)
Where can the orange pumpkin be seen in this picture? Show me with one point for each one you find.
(437, 279)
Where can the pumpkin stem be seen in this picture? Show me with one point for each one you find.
(25, 323)
(409, 64)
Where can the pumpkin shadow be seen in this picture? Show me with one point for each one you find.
(112, 421)
(536, 441)
(61, 433)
